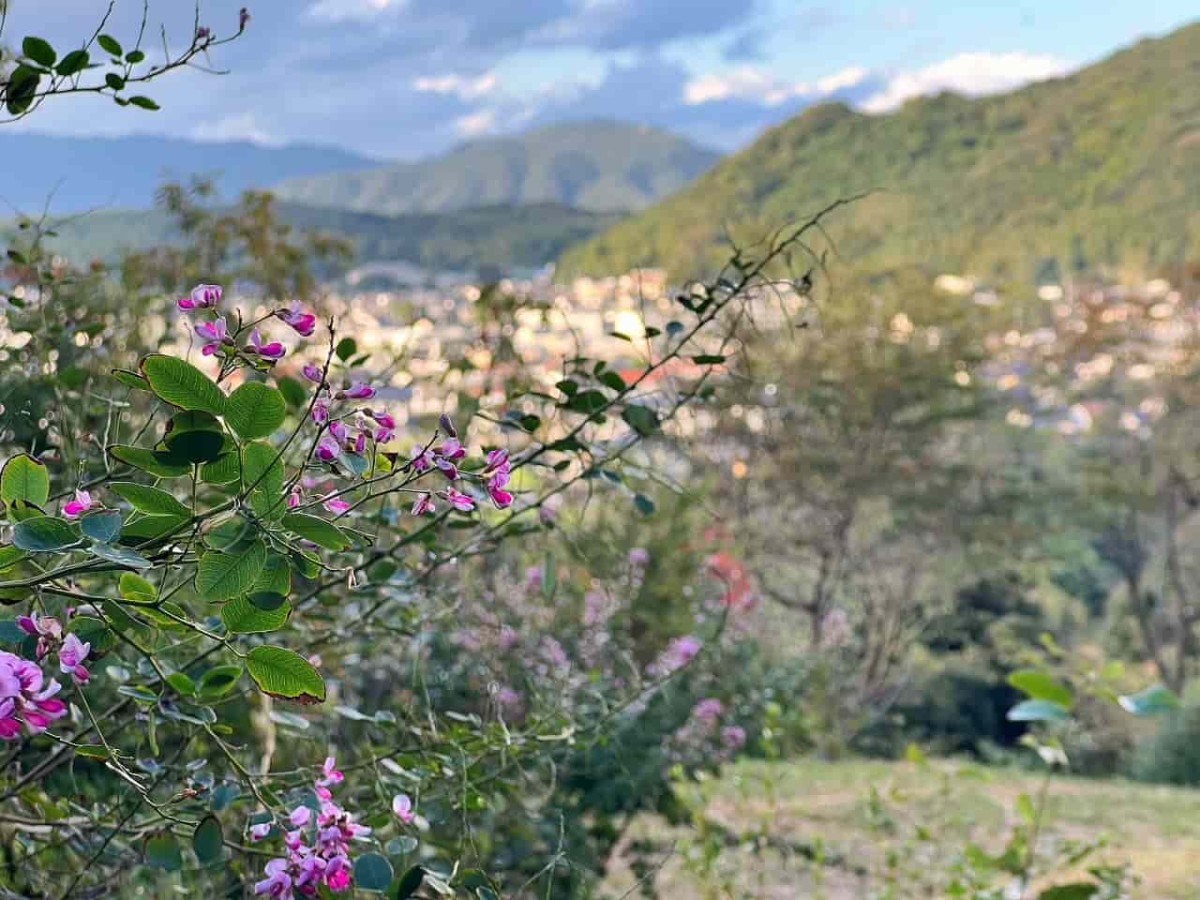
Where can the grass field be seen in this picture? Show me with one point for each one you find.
(864, 829)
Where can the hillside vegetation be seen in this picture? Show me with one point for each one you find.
(487, 238)
(1100, 169)
(601, 166)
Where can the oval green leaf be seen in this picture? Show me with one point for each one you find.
(183, 385)
(222, 574)
(150, 500)
(243, 617)
(25, 478)
(43, 534)
(285, 674)
(372, 872)
(208, 841)
(255, 410)
(317, 530)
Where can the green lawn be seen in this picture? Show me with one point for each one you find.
(864, 829)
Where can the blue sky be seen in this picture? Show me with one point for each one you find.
(407, 78)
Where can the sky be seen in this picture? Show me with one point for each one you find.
(403, 79)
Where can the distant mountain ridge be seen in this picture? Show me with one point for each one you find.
(73, 174)
(1099, 169)
(596, 165)
(482, 240)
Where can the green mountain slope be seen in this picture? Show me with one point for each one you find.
(1101, 168)
(600, 166)
(487, 238)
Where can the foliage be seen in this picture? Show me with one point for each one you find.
(1092, 171)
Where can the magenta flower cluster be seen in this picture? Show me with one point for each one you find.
(215, 332)
(318, 843)
(27, 698)
(72, 652)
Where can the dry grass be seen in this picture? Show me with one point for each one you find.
(864, 829)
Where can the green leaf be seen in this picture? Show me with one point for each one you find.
(10, 556)
(1025, 809)
(101, 526)
(1078, 890)
(162, 852)
(1155, 699)
(110, 44)
(183, 385)
(243, 617)
(43, 534)
(283, 673)
(73, 63)
(91, 751)
(708, 359)
(150, 500)
(117, 83)
(225, 469)
(255, 410)
(20, 93)
(372, 872)
(25, 478)
(261, 467)
(1040, 686)
(208, 841)
(410, 883)
(150, 528)
(122, 556)
(641, 419)
(317, 530)
(293, 391)
(151, 461)
(267, 601)
(643, 504)
(275, 577)
(1038, 711)
(134, 57)
(194, 447)
(144, 103)
(136, 589)
(183, 685)
(346, 348)
(219, 681)
(588, 402)
(38, 50)
(222, 574)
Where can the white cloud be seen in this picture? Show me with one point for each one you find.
(461, 86)
(476, 123)
(752, 83)
(967, 73)
(241, 127)
(351, 10)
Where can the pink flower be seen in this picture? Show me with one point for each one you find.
(78, 505)
(422, 460)
(313, 373)
(451, 449)
(203, 296)
(214, 334)
(423, 505)
(260, 831)
(304, 323)
(293, 499)
(330, 773)
(708, 710)
(203, 33)
(328, 449)
(733, 737)
(336, 505)
(402, 806)
(278, 882)
(358, 391)
(300, 816)
(272, 350)
(447, 468)
(337, 874)
(639, 556)
(501, 498)
(339, 431)
(26, 698)
(458, 500)
(320, 411)
(71, 656)
(497, 461)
